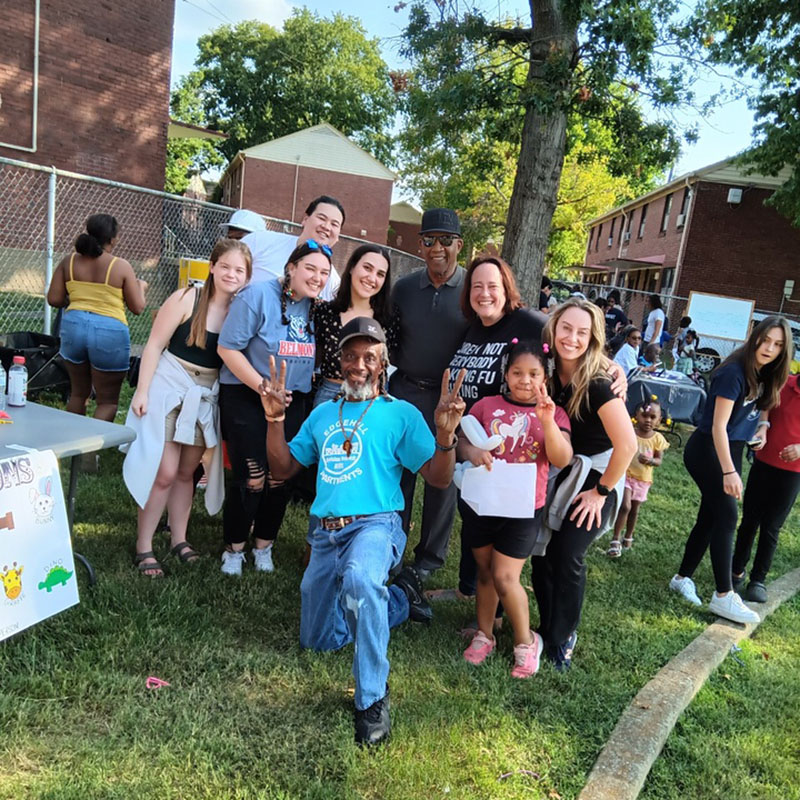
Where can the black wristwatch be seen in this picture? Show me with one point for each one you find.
(603, 491)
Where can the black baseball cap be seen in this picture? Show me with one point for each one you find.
(440, 220)
(362, 326)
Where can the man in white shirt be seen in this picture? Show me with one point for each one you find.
(322, 222)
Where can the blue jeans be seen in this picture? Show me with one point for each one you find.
(344, 597)
(327, 390)
(104, 342)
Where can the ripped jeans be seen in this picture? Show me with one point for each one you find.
(344, 597)
(250, 497)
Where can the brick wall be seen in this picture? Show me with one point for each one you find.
(269, 189)
(748, 250)
(103, 86)
(652, 243)
(404, 236)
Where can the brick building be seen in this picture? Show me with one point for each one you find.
(404, 223)
(84, 86)
(707, 231)
(280, 178)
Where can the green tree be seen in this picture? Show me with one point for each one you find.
(761, 40)
(187, 157)
(571, 59)
(256, 83)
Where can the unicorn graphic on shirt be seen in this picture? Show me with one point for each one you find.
(516, 430)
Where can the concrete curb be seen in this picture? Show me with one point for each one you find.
(625, 761)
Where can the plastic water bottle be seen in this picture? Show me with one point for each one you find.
(18, 382)
(2, 388)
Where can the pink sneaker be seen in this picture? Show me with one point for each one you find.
(526, 657)
(479, 648)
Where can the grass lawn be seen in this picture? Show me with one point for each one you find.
(249, 715)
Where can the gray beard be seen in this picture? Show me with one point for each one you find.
(358, 393)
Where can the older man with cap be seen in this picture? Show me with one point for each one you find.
(322, 222)
(362, 444)
(242, 222)
(431, 327)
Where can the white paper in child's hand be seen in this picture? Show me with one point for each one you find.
(507, 490)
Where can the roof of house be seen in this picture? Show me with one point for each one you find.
(184, 130)
(405, 212)
(321, 147)
(725, 171)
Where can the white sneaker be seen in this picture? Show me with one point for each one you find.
(232, 562)
(263, 559)
(686, 589)
(730, 606)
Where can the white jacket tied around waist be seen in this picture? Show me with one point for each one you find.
(560, 498)
(172, 386)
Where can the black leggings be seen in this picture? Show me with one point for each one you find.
(559, 576)
(718, 512)
(768, 499)
(244, 430)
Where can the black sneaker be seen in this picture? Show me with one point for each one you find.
(737, 582)
(756, 592)
(410, 581)
(373, 724)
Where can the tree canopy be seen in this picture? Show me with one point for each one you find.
(186, 157)
(256, 83)
(761, 39)
(574, 65)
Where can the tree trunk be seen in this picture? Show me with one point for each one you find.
(533, 201)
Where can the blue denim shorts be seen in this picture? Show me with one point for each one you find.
(104, 342)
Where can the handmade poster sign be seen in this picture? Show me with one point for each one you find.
(36, 565)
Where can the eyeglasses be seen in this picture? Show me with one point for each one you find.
(314, 245)
(445, 241)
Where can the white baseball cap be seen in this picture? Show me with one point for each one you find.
(244, 220)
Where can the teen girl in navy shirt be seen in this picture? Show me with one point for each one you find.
(749, 380)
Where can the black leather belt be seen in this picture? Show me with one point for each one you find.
(422, 383)
(337, 523)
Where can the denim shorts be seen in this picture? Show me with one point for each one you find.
(104, 342)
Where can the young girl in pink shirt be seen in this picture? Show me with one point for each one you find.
(532, 430)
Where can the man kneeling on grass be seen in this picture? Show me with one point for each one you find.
(362, 442)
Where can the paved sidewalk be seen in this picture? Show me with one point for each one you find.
(635, 743)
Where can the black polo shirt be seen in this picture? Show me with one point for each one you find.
(430, 324)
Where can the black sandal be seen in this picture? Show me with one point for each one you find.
(140, 558)
(185, 552)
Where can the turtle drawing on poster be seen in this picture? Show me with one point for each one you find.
(37, 569)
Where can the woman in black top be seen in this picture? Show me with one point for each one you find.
(364, 292)
(602, 431)
(187, 327)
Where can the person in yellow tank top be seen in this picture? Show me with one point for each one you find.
(95, 288)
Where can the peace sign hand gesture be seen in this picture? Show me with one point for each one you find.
(274, 397)
(451, 405)
(545, 407)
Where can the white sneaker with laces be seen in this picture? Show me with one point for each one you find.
(263, 559)
(686, 589)
(730, 606)
(232, 562)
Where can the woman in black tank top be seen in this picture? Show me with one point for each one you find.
(180, 354)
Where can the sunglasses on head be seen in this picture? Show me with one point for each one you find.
(445, 240)
(314, 245)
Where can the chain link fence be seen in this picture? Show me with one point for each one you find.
(44, 210)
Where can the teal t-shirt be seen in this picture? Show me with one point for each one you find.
(392, 435)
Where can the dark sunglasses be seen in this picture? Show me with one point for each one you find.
(445, 241)
(314, 245)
